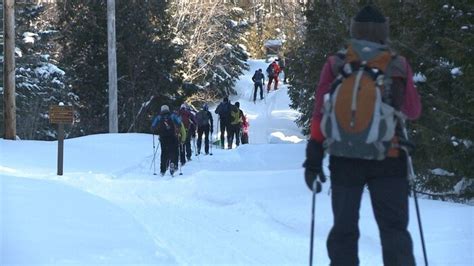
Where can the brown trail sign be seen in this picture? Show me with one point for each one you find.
(61, 114)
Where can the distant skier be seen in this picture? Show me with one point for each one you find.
(235, 124)
(205, 124)
(171, 131)
(258, 79)
(273, 70)
(223, 110)
(245, 130)
(189, 122)
(282, 64)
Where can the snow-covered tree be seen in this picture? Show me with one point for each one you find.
(210, 37)
(145, 61)
(40, 83)
(274, 20)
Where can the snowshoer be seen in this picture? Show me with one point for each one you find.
(258, 79)
(205, 124)
(171, 131)
(384, 84)
(223, 110)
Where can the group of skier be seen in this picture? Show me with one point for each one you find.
(176, 131)
(233, 122)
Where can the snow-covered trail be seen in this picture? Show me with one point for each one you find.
(245, 206)
(198, 225)
(271, 119)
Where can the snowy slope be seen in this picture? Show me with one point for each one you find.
(246, 206)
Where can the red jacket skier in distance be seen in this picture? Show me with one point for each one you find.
(411, 105)
(276, 68)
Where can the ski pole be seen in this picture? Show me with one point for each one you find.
(266, 94)
(420, 226)
(411, 178)
(217, 130)
(195, 147)
(411, 175)
(154, 154)
(313, 207)
(211, 143)
(251, 96)
(153, 162)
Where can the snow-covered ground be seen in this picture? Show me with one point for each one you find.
(246, 206)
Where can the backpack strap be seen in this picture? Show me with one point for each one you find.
(337, 62)
(395, 69)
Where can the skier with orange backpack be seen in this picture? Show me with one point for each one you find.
(363, 96)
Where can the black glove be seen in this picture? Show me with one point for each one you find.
(314, 165)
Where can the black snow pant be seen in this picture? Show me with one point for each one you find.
(389, 190)
(169, 152)
(225, 127)
(234, 133)
(256, 86)
(185, 151)
(203, 130)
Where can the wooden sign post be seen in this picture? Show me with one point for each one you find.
(61, 114)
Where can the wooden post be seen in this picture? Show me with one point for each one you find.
(9, 105)
(113, 113)
(60, 148)
(61, 114)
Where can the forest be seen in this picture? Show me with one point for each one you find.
(193, 51)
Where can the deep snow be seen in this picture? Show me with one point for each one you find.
(246, 206)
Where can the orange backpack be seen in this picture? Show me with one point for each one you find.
(358, 121)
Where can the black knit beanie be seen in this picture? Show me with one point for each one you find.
(370, 24)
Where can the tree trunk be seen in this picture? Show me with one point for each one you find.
(9, 69)
(113, 113)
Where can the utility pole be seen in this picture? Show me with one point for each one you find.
(9, 105)
(113, 113)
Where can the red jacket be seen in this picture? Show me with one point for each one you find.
(276, 68)
(411, 105)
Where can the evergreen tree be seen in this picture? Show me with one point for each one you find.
(40, 83)
(145, 63)
(231, 62)
(325, 35)
(84, 57)
(439, 45)
(273, 20)
(209, 35)
(145, 59)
